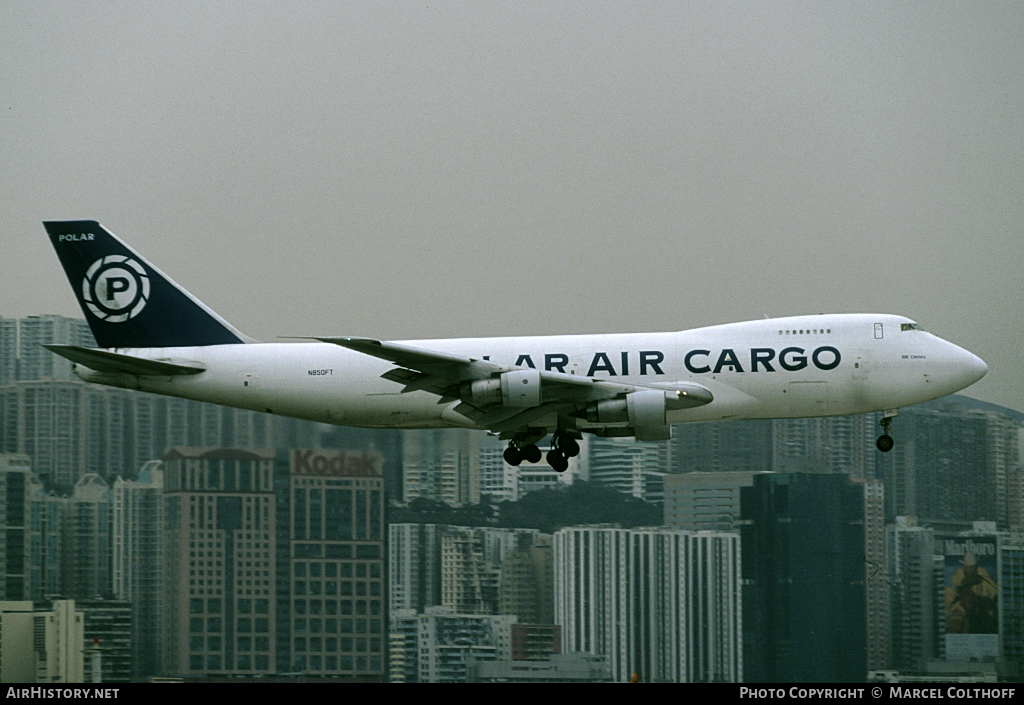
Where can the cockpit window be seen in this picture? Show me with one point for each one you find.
(910, 326)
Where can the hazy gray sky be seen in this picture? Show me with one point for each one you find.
(412, 170)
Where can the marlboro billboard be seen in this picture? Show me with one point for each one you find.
(971, 598)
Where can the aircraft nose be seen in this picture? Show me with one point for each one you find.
(979, 367)
(968, 367)
(957, 369)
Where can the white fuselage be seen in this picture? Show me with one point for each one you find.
(822, 365)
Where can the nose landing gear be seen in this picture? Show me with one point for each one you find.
(885, 441)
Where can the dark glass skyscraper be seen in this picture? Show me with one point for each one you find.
(803, 569)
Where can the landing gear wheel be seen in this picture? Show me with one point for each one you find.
(565, 444)
(557, 460)
(569, 446)
(513, 456)
(531, 453)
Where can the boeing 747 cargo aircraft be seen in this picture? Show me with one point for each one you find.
(156, 337)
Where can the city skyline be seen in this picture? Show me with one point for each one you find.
(473, 556)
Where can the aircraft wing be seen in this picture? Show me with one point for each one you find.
(428, 370)
(444, 374)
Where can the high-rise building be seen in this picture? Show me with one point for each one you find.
(804, 606)
(738, 446)
(1010, 568)
(496, 571)
(1004, 430)
(533, 477)
(8, 350)
(440, 645)
(442, 465)
(137, 558)
(16, 485)
(472, 571)
(49, 543)
(57, 424)
(36, 362)
(41, 642)
(69, 428)
(331, 611)
(403, 646)
(220, 568)
(535, 642)
(469, 582)
(661, 604)
(876, 591)
(953, 461)
(108, 630)
(940, 468)
(632, 468)
(705, 501)
(414, 566)
(525, 588)
(915, 631)
(441, 578)
(1015, 498)
(843, 444)
(91, 539)
(497, 479)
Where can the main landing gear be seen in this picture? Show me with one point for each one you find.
(517, 453)
(563, 447)
(885, 441)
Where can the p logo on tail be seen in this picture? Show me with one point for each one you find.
(128, 302)
(115, 288)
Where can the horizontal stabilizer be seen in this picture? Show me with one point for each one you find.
(105, 361)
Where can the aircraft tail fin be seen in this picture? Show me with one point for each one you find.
(128, 302)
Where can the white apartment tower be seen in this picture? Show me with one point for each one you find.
(661, 604)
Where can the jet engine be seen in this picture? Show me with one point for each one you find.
(643, 408)
(518, 388)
